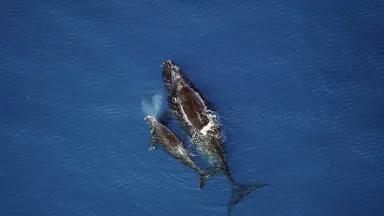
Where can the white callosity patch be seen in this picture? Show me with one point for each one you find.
(151, 120)
(181, 150)
(207, 127)
(175, 76)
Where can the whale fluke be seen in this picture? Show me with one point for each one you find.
(240, 191)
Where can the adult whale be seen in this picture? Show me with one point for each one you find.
(163, 136)
(202, 126)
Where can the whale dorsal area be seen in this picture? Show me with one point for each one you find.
(167, 136)
(193, 108)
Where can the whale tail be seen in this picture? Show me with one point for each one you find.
(240, 191)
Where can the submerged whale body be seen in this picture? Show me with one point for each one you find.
(161, 135)
(201, 124)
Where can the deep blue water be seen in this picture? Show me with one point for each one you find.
(299, 86)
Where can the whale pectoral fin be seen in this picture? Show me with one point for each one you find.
(152, 144)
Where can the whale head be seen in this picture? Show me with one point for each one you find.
(150, 122)
(172, 75)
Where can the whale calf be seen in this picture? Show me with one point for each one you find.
(201, 124)
(163, 136)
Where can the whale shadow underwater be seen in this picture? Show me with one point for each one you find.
(201, 125)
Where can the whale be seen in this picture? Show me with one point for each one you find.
(162, 135)
(202, 126)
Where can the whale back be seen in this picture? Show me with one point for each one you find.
(192, 107)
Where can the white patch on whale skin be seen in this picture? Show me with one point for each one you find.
(175, 74)
(207, 127)
(181, 150)
(151, 120)
(176, 77)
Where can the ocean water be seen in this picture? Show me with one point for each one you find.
(299, 86)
